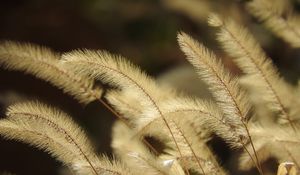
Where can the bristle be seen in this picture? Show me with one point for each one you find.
(126, 104)
(116, 71)
(134, 153)
(195, 154)
(201, 116)
(273, 15)
(230, 97)
(53, 131)
(272, 142)
(214, 20)
(248, 55)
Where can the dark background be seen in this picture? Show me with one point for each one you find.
(144, 31)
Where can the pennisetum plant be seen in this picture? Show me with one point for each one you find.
(237, 114)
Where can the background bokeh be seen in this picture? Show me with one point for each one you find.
(144, 31)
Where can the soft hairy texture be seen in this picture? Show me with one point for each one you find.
(201, 116)
(53, 131)
(136, 156)
(196, 156)
(197, 114)
(129, 107)
(192, 111)
(187, 120)
(273, 142)
(45, 64)
(248, 55)
(116, 71)
(262, 113)
(162, 132)
(231, 99)
(128, 103)
(112, 69)
(283, 24)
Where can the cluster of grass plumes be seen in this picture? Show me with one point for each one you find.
(256, 113)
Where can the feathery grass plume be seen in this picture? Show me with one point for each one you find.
(132, 111)
(45, 64)
(188, 131)
(136, 156)
(281, 21)
(129, 107)
(128, 103)
(225, 89)
(261, 113)
(196, 156)
(53, 131)
(174, 109)
(111, 69)
(240, 44)
(278, 142)
(201, 116)
(115, 70)
(197, 113)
